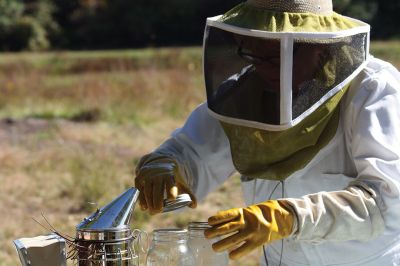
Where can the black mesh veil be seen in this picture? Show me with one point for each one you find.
(250, 78)
(242, 76)
(318, 67)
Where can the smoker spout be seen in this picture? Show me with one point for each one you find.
(113, 216)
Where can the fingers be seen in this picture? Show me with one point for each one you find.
(151, 195)
(184, 189)
(158, 196)
(230, 242)
(142, 198)
(224, 216)
(224, 229)
(243, 250)
(148, 193)
(151, 182)
(193, 204)
(159, 178)
(154, 195)
(155, 171)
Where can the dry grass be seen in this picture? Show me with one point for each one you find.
(73, 125)
(387, 50)
(72, 128)
(56, 167)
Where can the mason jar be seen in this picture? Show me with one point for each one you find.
(201, 247)
(169, 248)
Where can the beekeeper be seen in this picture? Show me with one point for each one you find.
(311, 121)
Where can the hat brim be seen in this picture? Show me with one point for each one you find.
(247, 16)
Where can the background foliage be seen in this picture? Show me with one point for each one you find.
(106, 24)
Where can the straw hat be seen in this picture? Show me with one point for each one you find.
(288, 16)
(295, 6)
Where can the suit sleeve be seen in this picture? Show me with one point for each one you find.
(203, 150)
(370, 205)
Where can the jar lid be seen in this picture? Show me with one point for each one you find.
(181, 201)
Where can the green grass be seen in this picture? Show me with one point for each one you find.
(387, 50)
(84, 61)
(119, 85)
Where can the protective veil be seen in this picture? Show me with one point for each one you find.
(274, 81)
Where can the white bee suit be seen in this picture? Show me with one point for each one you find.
(347, 198)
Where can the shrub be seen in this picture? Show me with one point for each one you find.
(25, 27)
(28, 34)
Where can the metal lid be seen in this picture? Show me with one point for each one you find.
(181, 201)
(110, 222)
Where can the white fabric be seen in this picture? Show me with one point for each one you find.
(347, 198)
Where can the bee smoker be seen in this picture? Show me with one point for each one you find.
(105, 237)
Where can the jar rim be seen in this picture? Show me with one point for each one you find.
(170, 230)
(170, 234)
(198, 226)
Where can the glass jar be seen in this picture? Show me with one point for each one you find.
(169, 248)
(201, 247)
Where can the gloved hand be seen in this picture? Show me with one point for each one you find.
(156, 174)
(248, 228)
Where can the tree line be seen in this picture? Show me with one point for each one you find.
(115, 24)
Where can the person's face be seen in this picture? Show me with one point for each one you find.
(307, 60)
(265, 56)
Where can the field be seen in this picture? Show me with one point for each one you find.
(74, 124)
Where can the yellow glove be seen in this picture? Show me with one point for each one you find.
(248, 228)
(156, 174)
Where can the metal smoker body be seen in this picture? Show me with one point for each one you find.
(105, 237)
